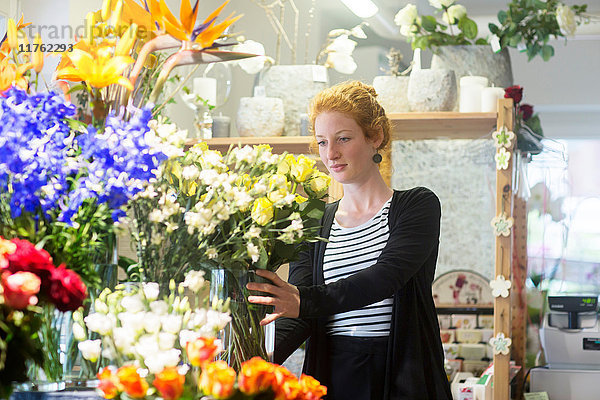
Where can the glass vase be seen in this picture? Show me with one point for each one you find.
(243, 338)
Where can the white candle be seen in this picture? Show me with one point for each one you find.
(220, 126)
(471, 88)
(489, 98)
(206, 88)
(474, 80)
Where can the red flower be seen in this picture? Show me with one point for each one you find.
(67, 291)
(514, 92)
(526, 111)
(20, 289)
(169, 383)
(28, 258)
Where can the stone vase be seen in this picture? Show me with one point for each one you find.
(432, 90)
(475, 60)
(295, 85)
(392, 93)
(260, 116)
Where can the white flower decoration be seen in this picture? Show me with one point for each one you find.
(406, 16)
(90, 349)
(251, 65)
(503, 137)
(500, 286)
(502, 158)
(501, 344)
(502, 224)
(565, 17)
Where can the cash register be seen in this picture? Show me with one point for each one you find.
(570, 338)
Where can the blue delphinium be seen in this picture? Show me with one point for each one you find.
(46, 166)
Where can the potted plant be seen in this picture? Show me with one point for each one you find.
(454, 42)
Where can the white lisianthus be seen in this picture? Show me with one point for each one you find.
(147, 345)
(198, 318)
(166, 340)
(78, 332)
(186, 336)
(90, 349)
(406, 16)
(171, 323)
(99, 323)
(253, 252)
(251, 65)
(151, 322)
(132, 321)
(194, 280)
(151, 290)
(133, 304)
(217, 320)
(159, 307)
(566, 20)
(454, 14)
(124, 339)
(441, 3)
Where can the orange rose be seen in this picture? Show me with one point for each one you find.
(20, 289)
(285, 385)
(311, 388)
(202, 350)
(169, 383)
(133, 384)
(109, 384)
(256, 376)
(217, 380)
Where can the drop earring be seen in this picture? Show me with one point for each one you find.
(377, 157)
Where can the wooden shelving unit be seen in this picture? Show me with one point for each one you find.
(445, 125)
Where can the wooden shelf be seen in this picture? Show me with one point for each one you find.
(280, 144)
(441, 125)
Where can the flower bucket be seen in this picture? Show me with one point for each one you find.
(243, 338)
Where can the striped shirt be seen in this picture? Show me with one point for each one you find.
(348, 251)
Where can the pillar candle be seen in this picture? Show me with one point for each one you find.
(220, 126)
(206, 88)
(489, 98)
(470, 93)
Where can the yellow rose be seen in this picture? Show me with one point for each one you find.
(262, 211)
(300, 199)
(285, 164)
(302, 168)
(317, 185)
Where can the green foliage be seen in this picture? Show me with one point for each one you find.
(529, 24)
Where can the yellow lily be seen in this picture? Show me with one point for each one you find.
(37, 56)
(11, 74)
(98, 68)
(11, 33)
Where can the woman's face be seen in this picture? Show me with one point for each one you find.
(343, 147)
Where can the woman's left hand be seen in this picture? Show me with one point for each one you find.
(285, 297)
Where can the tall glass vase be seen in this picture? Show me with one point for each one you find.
(243, 338)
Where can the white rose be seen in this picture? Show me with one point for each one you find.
(441, 3)
(454, 14)
(99, 323)
(406, 16)
(151, 290)
(342, 63)
(90, 349)
(566, 20)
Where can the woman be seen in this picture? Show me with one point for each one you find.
(363, 299)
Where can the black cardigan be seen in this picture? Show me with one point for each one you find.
(405, 270)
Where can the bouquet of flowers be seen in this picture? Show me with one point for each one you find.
(232, 213)
(29, 284)
(67, 172)
(164, 348)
